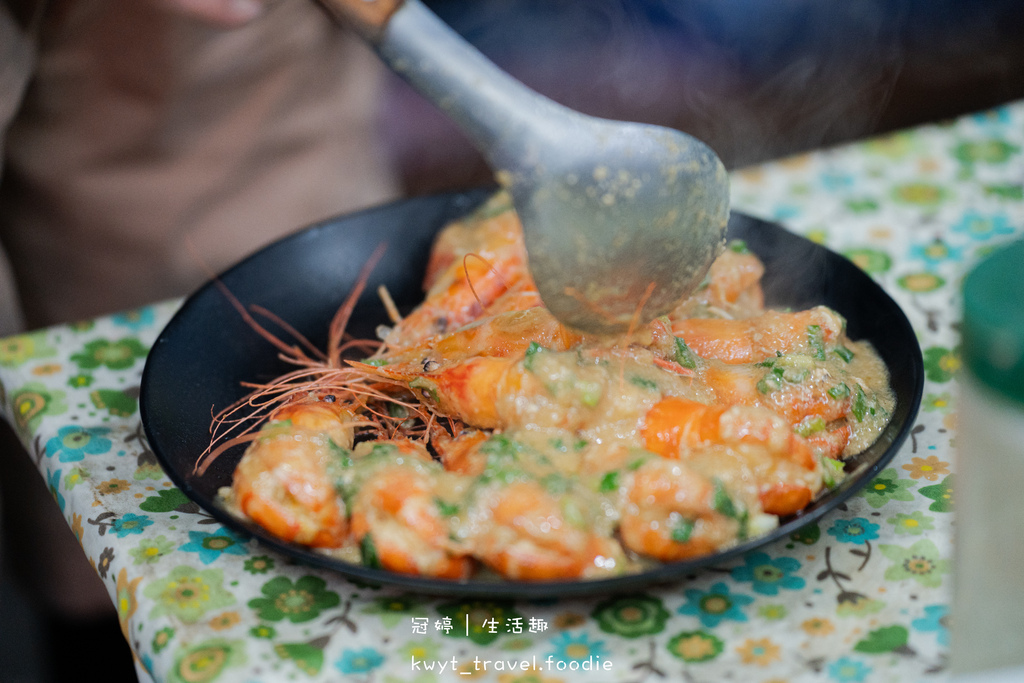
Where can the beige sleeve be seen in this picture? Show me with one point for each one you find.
(151, 147)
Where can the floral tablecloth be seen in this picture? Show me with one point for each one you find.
(863, 595)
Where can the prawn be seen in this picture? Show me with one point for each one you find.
(676, 427)
(773, 333)
(670, 514)
(805, 394)
(525, 533)
(460, 453)
(282, 480)
(508, 333)
(519, 297)
(398, 524)
(474, 263)
(733, 286)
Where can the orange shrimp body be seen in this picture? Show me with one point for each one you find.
(460, 453)
(750, 340)
(735, 278)
(282, 481)
(519, 297)
(395, 513)
(472, 265)
(490, 393)
(527, 536)
(676, 426)
(508, 333)
(670, 514)
(810, 396)
(675, 423)
(733, 287)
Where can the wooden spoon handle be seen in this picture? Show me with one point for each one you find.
(367, 17)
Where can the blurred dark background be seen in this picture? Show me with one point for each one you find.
(755, 79)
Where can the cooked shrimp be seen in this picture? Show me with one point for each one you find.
(465, 281)
(733, 286)
(676, 427)
(492, 393)
(508, 333)
(676, 423)
(765, 336)
(795, 387)
(526, 533)
(519, 297)
(671, 515)
(463, 236)
(460, 453)
(735, 279)
(324, 417)
(830, 439)
(398, 524)
(282, 482)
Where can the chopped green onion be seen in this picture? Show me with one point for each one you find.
(832, 472)
(860, 406)
(636, 464)
(502, 448)
(682, 531)
(723, 503)
(839, 391)
(609, 482)
(739, 246)
(445, 508)
(770, 382)
(590, 393)
(844, 353)
(573, 514)
(426, 386)
(744, 530)
(816, 341)
(810, 426)
(398, 411)
(555, 484)
(369, 552)
(531, 352)
(643, 382)
(684, 355)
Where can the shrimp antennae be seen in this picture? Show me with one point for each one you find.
(318, 372)
(341, 318)
(248, 318)
(299, 337)
(490, 266)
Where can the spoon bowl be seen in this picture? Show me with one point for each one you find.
(621, 220)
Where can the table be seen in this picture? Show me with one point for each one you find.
(863, 595)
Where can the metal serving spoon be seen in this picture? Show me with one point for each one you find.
(621, 220)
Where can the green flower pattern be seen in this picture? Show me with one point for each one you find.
(632, 617)
(885, 487)
(297, 602)
(188, 593)
(894, 212)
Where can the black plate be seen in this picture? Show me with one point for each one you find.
(207, 350)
